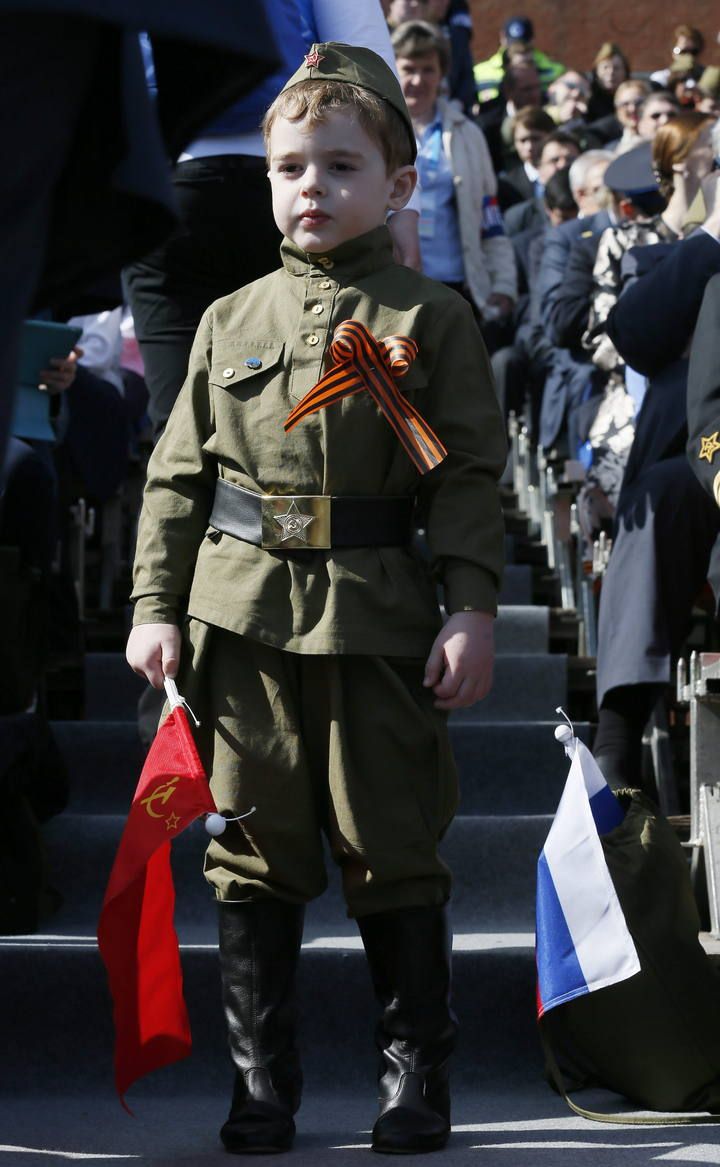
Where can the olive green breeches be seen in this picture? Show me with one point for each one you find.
(346, 746)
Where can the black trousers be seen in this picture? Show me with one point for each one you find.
(28, 500)
(46, 70)
(496, 333)
(666, 527)
(226, 238)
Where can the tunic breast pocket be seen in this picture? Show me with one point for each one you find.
(242, 368)
(246, 382)
(377, 389)
(413, 383)
(413, 386)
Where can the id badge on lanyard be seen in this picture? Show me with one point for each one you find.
(428, 190)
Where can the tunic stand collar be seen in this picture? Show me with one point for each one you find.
(350, 261)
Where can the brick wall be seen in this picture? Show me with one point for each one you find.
(572, 32)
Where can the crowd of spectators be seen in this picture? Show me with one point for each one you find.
(561, 199)
(600, 182)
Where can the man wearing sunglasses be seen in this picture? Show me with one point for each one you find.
(656, 111)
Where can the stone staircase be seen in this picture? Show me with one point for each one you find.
(511, 772)
(56, 1091)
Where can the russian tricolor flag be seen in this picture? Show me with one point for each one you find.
(582, 940)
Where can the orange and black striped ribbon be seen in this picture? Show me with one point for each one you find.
(362, 362)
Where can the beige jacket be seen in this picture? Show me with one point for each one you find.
(490, 262)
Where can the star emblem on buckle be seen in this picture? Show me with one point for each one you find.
(709, 447)
(293, 523)
(313, 59)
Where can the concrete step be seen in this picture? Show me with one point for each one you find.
(492, 859)
(56, 1030)
(519, 1122)
(103, 760)
(508, 768)
(522, 628)
(503, 767)
(517, 585)
(527, 687)
(112, 689)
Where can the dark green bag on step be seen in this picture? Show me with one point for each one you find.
(654, 1038)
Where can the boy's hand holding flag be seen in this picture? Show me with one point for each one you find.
(136, 934)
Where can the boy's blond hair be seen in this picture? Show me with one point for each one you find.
(312, 100)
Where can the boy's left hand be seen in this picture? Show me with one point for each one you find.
(459, 668)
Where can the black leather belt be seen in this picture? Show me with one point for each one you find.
(292, 522)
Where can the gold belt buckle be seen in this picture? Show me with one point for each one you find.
(296, 522)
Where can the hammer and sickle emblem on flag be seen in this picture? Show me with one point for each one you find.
(162, 793)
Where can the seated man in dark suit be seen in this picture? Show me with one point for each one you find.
(570, 371)
(559, 208)
(520, 368)
(558, 151)
(587, 183)
(520, 181)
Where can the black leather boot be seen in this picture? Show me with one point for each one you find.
(259, 948)
(409, 954)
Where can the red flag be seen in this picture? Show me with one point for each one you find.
(136, 934)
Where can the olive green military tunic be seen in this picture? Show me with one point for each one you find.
(255, 356)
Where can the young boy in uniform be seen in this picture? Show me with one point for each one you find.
(276, 531)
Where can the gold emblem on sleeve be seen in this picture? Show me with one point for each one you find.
(709, 447)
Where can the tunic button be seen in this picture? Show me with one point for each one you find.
(326, 284)
(317, 309)
(326, 263)
(312, 339)
(228, 372)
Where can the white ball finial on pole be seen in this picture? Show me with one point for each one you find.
(565, 734)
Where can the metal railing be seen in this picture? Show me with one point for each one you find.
(699, 688)
(549, 507)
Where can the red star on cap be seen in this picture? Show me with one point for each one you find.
(313, 59)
